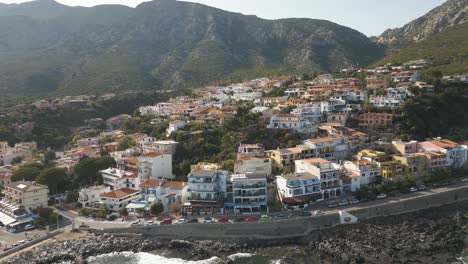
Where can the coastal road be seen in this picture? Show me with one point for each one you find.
(118, 223)
(399, 198)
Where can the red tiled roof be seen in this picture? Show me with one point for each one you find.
(174, 185)
(150, 183)
(152, 154)
(119, 193)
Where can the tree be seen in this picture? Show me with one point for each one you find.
(175, 208)
(72, 197)
(123, 212)
(362, 193)
(125, 143)
(156, 208)
(49, 157)
(379, 188)
(17, 160)
(54, 178)
(140, 211)
(87, 169)
(27, 172)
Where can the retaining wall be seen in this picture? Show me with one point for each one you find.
(30, 243)
(290, 228)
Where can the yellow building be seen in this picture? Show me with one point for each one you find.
(392, 170)
(416, 164)
(283, 159)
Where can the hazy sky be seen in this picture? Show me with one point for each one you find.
(370, 17)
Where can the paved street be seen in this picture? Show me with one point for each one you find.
(11, 238)
(118, 223)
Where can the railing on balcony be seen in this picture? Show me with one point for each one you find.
(249, 194)
(248, 186)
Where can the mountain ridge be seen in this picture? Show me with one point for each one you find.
(447, 15)
(164, 44)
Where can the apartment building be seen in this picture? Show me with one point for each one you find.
(117, 199)
(118, 179)
(373, 120)
(26, 194)
(246, 193)
(332, 148)
(298, 188)
(206, 192)
(328, 172)
(155, 165)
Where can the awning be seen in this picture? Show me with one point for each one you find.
(135, 205)
(5, 219)
(22, 221)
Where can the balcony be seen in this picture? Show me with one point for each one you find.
(249, 194)
(248, 186)
(202, 199)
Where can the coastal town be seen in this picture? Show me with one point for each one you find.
(334, 148)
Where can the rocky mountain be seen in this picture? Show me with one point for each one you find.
(447, 15)
(46, 47)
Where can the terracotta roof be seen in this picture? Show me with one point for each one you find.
(174, 185)
(133, 160)
(444, 143)
(119, 193)
(152, 154)
(324, 139)
(316, 160)
(150, 183)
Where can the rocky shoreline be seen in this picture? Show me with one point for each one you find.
(429, 236)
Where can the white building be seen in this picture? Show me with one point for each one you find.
(292, 122)
(206, 192)
(249, 193)
(298, 188)
(118, 179)
(119, 198)
(160, 109)
(365, 173)
(174, 126)
(246, 96)
(253, 164)
(385, 101)
(155, 165)
(22, 149)
(87, 141)
(332, 148)
(161, 146)
(330, 182)
(91, 195)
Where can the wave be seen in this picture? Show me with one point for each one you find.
(146, 258)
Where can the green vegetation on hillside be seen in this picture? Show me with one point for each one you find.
(447, 51)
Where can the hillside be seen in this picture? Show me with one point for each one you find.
(447, 15)
(447, 51)
(46, 47)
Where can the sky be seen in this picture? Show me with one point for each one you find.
(370, 17)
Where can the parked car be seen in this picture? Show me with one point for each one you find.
(83, 226)
(381, 196)
(193, 221)
(150, 223)
(209, 220)
(183, 221)
(239, 220)
(112, 217)
(29, 227)
(265, 218)
(343, 203)
(353, 201)
(21, 242)
(413, 189)
(422, 187)
(136, 224)
(464, 179)
(317, 212)
(251, 219)
(166, 221)
(223, 220)
(332, 205)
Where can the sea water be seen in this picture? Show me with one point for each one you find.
(149, 258)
